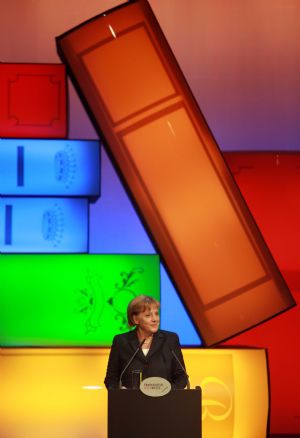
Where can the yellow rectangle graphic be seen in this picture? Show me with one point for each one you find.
(60, 392)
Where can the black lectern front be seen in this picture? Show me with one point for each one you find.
(131, 414)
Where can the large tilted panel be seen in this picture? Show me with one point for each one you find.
(139, 100)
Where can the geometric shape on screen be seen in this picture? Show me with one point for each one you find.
(64, 387)
(270, 183)
(174, 171)
(49, 167)
(33, 100)
(43, 225)
(71, 300)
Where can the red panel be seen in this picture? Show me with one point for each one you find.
(270, 183)
(33, 100)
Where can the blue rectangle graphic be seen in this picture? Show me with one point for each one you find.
(20, 166)
(8, 225)
(40, 167)
(43, 225)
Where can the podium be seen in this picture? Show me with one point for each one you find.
(131, 414)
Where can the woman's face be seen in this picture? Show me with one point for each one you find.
(148, 321)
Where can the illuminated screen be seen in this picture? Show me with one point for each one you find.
(52, 225)
(33, 99)
(60, 393)
(71, 300)
(270, 183)
(49, 167)
(174, 171)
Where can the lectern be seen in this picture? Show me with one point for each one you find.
(131, 414)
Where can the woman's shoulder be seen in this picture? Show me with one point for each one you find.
(168, 335)
(124, 337)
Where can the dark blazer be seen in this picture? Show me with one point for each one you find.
(159, 362)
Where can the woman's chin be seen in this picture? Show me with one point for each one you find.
(154, 329)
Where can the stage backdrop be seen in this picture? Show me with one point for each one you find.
(241, 61)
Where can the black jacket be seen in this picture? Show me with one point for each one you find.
(159, 362)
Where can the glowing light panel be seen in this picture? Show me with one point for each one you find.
(174, 171)
(49, 167)
(71, 300)
(50, 225)
(46, 392)
(33, 100)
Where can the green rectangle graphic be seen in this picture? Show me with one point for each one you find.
(71, 300)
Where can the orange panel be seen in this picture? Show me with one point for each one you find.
(160, 142)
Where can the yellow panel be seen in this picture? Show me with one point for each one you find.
(45, 393)
(235, 392)
(60, 393)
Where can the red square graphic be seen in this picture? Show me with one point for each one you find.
(33, 101)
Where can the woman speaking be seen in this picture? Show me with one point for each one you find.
(145, 351)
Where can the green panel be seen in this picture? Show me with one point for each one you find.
(71, 300)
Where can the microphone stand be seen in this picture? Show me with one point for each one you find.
(182, 367)
(131, 359)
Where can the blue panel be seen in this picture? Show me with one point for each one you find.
(114, 224)
(49, 167)
(50, 225)
(174, 316)
(116, 228)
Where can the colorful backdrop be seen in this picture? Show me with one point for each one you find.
(241, 59)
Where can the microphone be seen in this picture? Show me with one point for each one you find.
(130, 360)
(181, 366)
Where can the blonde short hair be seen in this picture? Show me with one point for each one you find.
(139, 304)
